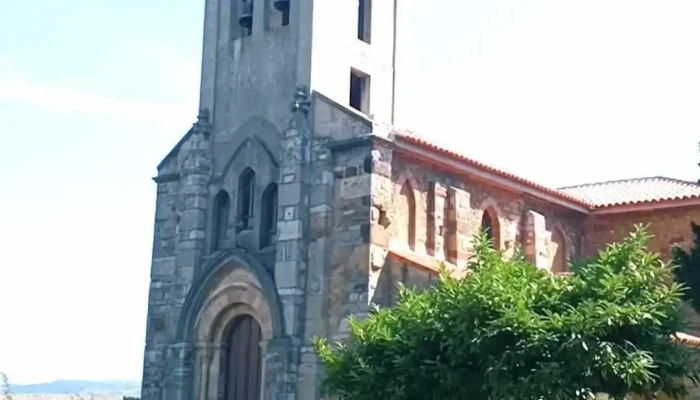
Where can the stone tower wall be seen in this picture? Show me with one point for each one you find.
(178, 247)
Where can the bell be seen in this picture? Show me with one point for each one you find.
(281, 5)
(246, 18)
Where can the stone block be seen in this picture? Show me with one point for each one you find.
(290, 250)
(163, 267)
(320, 194)
(287, 274)
(289, 213)
(356, 187)
(192, 219)
(289, 230)
(289, 194)
(319, 226)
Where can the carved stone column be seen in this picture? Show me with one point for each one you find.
(204, 354)
(215, 380)
(263, 369)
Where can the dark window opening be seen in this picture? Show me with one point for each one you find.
(242, 366)
(558, 252)
(246, 193)
(283, 7)
(222, 205)
(407, 209)
(245, 20)
(277, 13)
(359, 91)
(268, 223)
(490, 224)
(364, 20)
(487, 225)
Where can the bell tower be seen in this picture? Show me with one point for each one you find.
(353, 55)
(244, 229)
(257, 52)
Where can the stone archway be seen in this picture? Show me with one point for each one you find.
(233, 288)
(237, 297)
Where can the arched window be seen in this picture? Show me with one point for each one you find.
(489, 223)
(243, 361)
(246, 198)
(268, 216)
(557, 252)
(222, 206)
(407, 212)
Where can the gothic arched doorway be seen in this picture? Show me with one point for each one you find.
(243, 361)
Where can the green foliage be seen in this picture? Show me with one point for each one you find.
(688, 269)
(510, 331)
(5, 389)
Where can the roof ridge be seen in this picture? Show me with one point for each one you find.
(639, 179)
(507, 173)
(458, 150)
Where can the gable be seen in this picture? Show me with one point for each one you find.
(172, 155)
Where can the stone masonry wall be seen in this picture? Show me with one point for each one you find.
(464, 201)
(162, 270)
(336, 205)
(395, 272)
(349, 270)
(178, 246)
(669, 226)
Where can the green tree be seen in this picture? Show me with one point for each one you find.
(5, 388)
(687, 271)
(510, 331)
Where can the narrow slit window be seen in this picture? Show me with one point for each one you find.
(268, 224)
(222, 206)
(246, 193)
(359, 91)
(364, 20)
(407, 209)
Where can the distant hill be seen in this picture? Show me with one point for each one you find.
(66, 387)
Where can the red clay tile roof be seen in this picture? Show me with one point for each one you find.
(431, 145)
(634, 191)
(593, 195)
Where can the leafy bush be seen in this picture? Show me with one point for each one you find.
(512, 331)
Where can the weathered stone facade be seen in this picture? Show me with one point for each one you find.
(292, 211)
(669, 227)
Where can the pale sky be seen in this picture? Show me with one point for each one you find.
(93, 93)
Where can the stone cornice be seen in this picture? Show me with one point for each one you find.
(165, 178)
(368, 140)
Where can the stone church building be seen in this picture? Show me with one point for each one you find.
(293, 203)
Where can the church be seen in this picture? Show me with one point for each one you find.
(294, 202)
